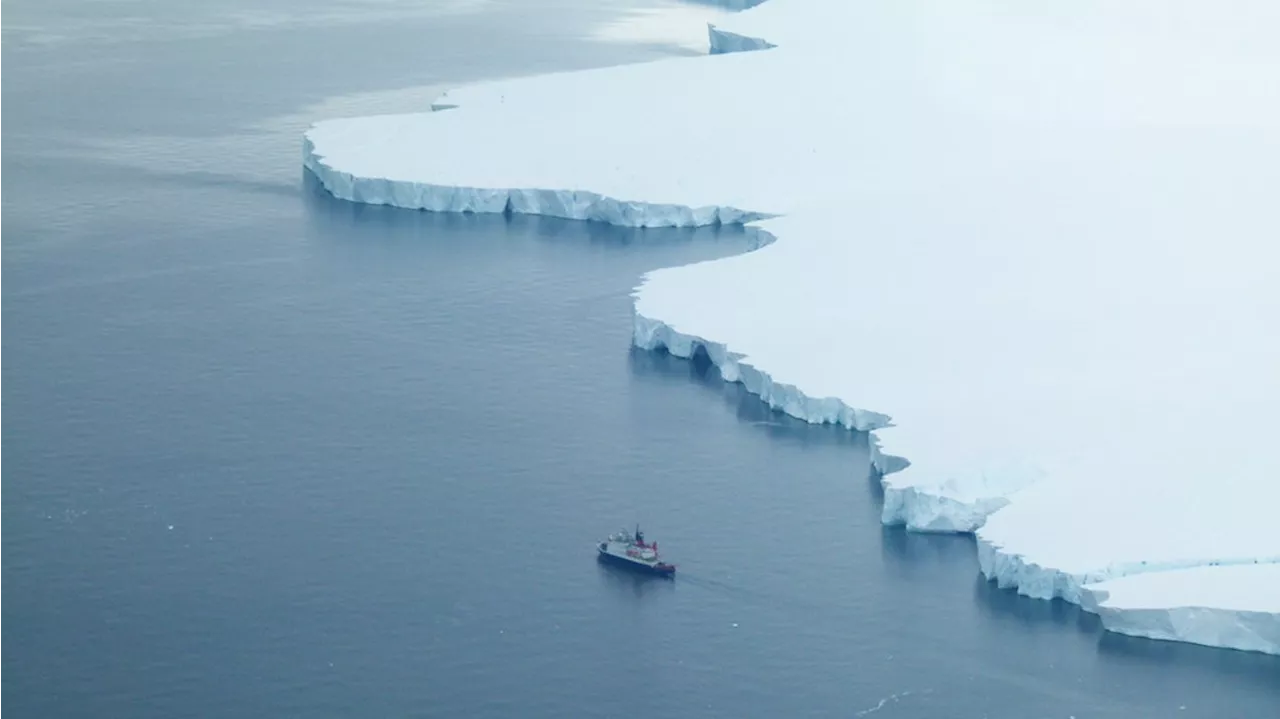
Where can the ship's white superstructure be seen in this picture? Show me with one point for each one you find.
(630, 549)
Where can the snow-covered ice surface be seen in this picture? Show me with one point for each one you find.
(1032, 248)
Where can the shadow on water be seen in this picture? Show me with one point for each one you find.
(875, 485)
(1006, 606)
(916, 549)
(626, 581)
(1249, 666)
(660, 366)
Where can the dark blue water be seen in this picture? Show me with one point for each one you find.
(270, 454)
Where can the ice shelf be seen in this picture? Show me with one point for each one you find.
(1235, 606)
(1031, 249)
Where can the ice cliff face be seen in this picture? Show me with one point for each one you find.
(1231, 606)
(1053, 274)
(724, 41)
(651, 334)
(566, 204)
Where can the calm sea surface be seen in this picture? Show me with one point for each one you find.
(271, 454)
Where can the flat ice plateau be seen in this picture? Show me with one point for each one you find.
(1032, 248)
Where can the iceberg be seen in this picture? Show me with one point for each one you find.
(1030, 249)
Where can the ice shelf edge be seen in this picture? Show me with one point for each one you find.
(564, 204)
(915, 507)
(653, 334)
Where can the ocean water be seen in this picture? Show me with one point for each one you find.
(271, 454)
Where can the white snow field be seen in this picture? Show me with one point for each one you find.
(1043, 240)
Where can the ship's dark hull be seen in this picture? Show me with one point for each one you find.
(660, 570)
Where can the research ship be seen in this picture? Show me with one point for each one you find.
(630, 550)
